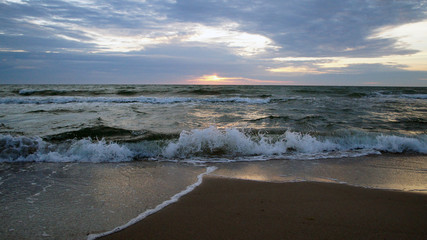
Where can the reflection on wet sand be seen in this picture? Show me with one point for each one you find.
(68, 200)
(398, 172)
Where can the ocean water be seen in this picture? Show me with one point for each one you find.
(80, 159)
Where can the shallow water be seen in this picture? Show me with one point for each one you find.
(395, 172)
(71, 200)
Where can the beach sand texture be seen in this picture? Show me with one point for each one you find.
(222, 208)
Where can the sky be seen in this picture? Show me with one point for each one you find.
(292, 42)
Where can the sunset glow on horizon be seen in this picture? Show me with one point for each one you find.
(214, 79)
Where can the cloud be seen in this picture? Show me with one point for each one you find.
(8, 2)
(409, 35)
(322, 65)
(296, 70)
(406, 36)
(155, 41)
(297, 28)
(11, 50)
(311, 28)
(134, 31)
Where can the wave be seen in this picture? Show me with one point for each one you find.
(357, 95)
(88, 90)
(271, 118)
(362, 92)
(232, 143)
(29, 92)
(57, 92)
(203, 92)
(109, 134)
(141, 99)
(209, 90)
(34, 149)
(127, 92)
(415, 96)
(404, 94)
(95, 132)
(208, 145)
(56, 111)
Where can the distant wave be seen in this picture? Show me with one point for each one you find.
(206, 145)
(400, 94)
(172, 100)
(415, 96)
(141, 99)
(57, 92)
(29, 92)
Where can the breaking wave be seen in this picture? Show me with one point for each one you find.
(208, 145)
(236, 143)
(26, 149)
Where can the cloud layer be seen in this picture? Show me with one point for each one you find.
(154, 41)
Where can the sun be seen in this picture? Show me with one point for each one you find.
(211, 78)
(214, 80)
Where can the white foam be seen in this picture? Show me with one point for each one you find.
(34, 149)
(211, 145)
(159, 207)
(85, 150)
(398, 144)
(234, 142)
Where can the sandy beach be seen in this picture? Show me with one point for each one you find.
(222, 208)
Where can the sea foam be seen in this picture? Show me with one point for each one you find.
(27, 149)
(209, 145)
(232, 142)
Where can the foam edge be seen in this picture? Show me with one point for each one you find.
(159, 207)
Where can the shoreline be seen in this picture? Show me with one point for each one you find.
(226, 208)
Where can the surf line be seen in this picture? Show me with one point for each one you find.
(159, 207)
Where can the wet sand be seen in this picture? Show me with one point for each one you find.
(222, 208)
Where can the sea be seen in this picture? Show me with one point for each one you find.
(81, 160)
